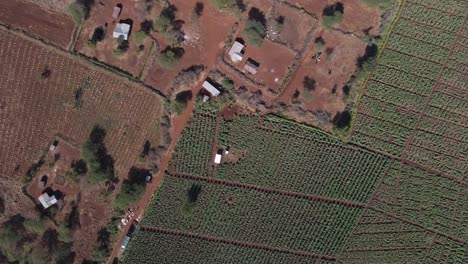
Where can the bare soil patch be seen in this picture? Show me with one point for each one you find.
(205, 40)
(133, 12)
(357, 17)
(52, 27)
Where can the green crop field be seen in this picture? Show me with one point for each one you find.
(287, 193)
(415, 102)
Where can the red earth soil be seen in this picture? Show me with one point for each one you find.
(52, 27)
(132, 61)
(357, 16)
(205, 41)
(331, 72)
(274, 62)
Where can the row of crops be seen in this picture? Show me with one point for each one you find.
(415, 102)
(252, 216)
(425, 199)
(381, 239)
(193, 152)
(286, 156)
(147, 247)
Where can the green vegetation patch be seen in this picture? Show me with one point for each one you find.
(175, 249)
(252, 216)
(254, 31)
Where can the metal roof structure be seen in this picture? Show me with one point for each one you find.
(121, 31)
(236, 52)
(46, 200)
(211, 89)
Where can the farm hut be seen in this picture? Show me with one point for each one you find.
(116, 12)
(251, 66)
(43, 181)
(121, 31)
(211, 89)
(53, 146)
(236, 53)
(218, 156)
(47, 200)
(125, 243)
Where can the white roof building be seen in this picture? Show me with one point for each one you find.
(211, 89)
(121, 31)
(116, 12)
(47, 200)
(236, 52)
(217, 159)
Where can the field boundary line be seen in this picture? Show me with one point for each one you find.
(233, 242)
(345, 243)
(435, 9)
(413, 20)
(420, 40)
(363, 87)
(431, 230)
(434, 89)
(268, 190)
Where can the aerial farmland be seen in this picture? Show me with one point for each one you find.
(226, 131)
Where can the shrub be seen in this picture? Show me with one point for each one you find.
(132, 188)
(333, 15)
(168, 59)
(79, 11)
(381, 4)
(233, 6)
(227, 84)
(122, 47)
(34, 226)
(65, 234)
(162, 24)
(100, 165)
(179, 104)
(139, 37)
(198, 9)
(254, 31)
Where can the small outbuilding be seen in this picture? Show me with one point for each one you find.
(236, 53)
(251, 66)
(121, 31)
(46, 200)
(116, 12)
(53, 146)
(211, 89)
(218, 156)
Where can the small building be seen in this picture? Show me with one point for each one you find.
(236, 53)
(116, 12)
(121, 31)
(125, 243)
(218, 156)
(251, 66)
(43, 181)
(53, 146)
(211, 89)
(148, 178)
(46, 200)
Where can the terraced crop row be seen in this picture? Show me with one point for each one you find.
(414, 105)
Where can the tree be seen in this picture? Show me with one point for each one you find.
(332, 15)
(169, 58)
(100, 164)
(132, 188)
(79, 10)
(193, 192)
(254, 31)
(198, 9)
